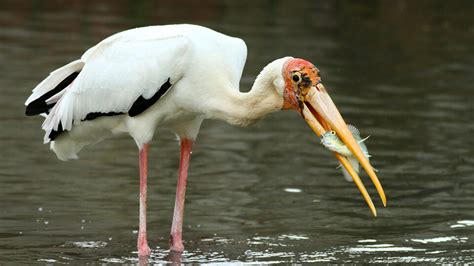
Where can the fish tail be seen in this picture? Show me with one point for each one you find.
(355, 165)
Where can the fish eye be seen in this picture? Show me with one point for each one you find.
(333, 132)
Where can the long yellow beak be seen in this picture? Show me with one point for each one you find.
(322, 115)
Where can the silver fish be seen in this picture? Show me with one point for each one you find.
(331, 141)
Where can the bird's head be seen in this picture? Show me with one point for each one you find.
(303, 91)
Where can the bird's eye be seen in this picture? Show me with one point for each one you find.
(296, 77)
(333, 132)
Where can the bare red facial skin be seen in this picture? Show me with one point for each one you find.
(295, 90)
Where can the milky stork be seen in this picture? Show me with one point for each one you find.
(174, 77)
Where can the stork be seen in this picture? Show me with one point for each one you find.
(174, 77)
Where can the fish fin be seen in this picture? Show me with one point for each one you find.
(353, 129)
(364, 139)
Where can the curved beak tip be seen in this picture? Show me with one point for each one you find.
(322, 115)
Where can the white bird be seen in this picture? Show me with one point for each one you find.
(173, 77)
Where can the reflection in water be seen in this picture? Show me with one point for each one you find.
(401, 71)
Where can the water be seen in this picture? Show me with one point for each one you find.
(401, 71)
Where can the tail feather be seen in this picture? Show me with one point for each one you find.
(48, 92)
(59, 119)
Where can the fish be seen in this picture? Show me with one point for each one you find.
(331, 141)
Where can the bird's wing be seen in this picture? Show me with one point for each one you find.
(117, 72)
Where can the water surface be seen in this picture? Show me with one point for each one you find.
(401, 71)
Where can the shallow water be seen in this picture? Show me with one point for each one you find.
(401, 71)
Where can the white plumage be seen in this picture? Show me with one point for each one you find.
(133, 63)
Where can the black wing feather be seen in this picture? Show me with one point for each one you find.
(40, 106)
(141, 104)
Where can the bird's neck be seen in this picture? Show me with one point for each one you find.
(245, 108)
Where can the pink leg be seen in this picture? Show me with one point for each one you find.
(142, 245)
(176, 241)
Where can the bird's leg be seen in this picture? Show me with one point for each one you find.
(142, 245)
(176, 241)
